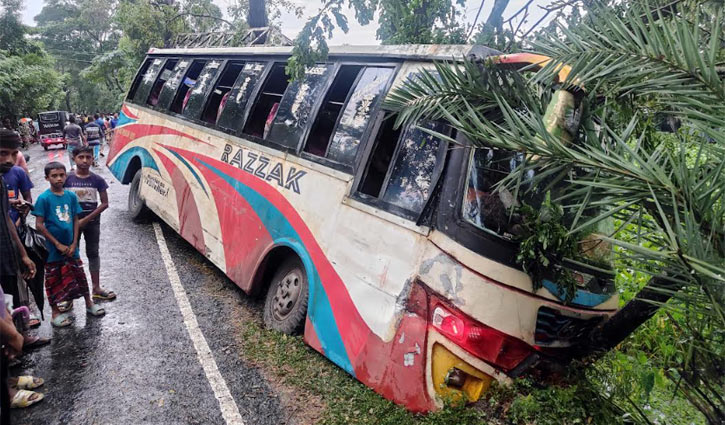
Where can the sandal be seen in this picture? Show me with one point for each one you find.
(24, 398)
(34, 322)
(35, 342)
(28, 382)
(95, 310)
(105, 295)
(64, 306)
(62, 320)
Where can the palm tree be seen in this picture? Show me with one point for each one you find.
(630, 65)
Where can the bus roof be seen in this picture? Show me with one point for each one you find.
(425, 52)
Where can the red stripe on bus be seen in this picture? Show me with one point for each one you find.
(189, 220)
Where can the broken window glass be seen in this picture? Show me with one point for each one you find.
(172, 83)
(410, 181)
(138, 79)
(146, 82)
(164, 75)
(355, 118)
(296, 105)
(197, 97)
(231, 114)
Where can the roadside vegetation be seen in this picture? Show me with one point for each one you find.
(646, 158)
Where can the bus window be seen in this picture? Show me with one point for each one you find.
(326, 119)
(231, 111)
(198, 95)
(189, 81)
(365, 96)
(267, 101)
(164, 75)
(403, 166)
(146, 81)
(139, 78)
(169, 89)
(220, 94)
(290, 121)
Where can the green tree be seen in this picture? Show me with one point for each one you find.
(635, 62)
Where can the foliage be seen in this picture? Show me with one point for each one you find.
(28, 84)
(401, 22)
(634, 61)
(544, 243)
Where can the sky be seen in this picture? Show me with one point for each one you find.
(358, 35)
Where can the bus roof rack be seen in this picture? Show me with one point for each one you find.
(264, 36)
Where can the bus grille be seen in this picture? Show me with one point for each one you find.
(555, 329)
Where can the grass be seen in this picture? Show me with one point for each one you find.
(344, 399)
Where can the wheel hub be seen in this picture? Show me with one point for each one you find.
(287, 294)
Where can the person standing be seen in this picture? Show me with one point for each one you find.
(94, 136)
(90, 188)
(73, 134)
(9, 144)
(56, 217)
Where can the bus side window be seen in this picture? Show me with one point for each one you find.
(404, 166)
(290, 122)
(187, 83)
(169, 89)
(231, 111)
(267, 102)
(220, 94)
(354, 95)
(164, 75)
(139, 78)
(197, 96)
(146, 82)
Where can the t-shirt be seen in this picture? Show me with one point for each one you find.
(16, 182)
(73, 134)
(8, 262)
(114, 122)
(87, 190)
(93, 133)
(59, 212)
(101, 123)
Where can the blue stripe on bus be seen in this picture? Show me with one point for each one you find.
(123, 119)
(282, 232)
(120, 164)
(196, 176)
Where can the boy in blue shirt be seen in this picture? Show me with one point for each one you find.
(57, 212)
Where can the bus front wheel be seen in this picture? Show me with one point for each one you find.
(136, 205)
(286, 304)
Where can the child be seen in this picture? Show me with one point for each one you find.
(57, 212)
(89, 187)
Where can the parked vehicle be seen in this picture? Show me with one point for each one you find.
(50, 128)
(370, 240)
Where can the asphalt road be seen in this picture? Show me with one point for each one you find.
(137, 365)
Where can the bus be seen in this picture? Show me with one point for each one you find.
(370, 240)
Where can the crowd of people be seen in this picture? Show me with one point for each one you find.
(68, 210)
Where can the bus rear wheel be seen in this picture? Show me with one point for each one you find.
(136, 205)
(285, 306)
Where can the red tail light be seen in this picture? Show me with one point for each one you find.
(484, 342)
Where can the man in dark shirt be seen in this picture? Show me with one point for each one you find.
(94, 135)
(10, 244)
(73, 134)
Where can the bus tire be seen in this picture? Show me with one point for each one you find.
(45, 147)
(285, 306)
(136, 205)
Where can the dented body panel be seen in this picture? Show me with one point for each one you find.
(376, 279)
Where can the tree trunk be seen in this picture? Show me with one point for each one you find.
(637, 311)
(495, 19)
(257, 16)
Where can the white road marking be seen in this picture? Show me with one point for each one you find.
(229, 408)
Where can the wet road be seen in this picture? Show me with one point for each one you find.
(138, 365)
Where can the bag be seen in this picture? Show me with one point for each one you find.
(34, 244)
(32, 240)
